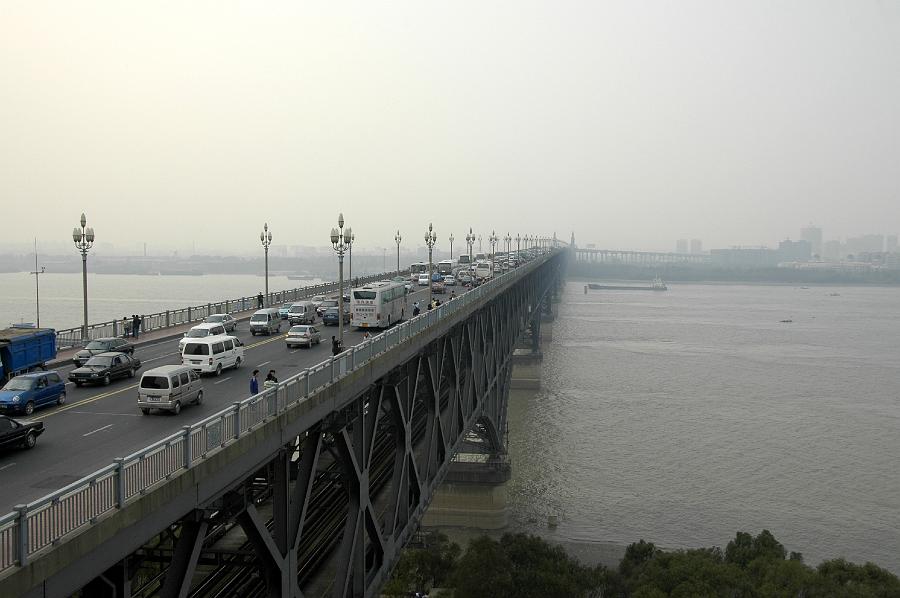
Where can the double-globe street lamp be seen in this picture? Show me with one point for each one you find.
(518, 248)
(508, 240)
(492, 239)
(340, 240)
(350, 248)
(430, 240)
(265, 237)
(451, 246)
(84, 240)
(470, 240)
(397, 239)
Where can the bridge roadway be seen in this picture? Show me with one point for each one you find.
(99, 423)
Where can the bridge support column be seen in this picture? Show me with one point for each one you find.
(115, 582)
(184, 562)
(472, 495)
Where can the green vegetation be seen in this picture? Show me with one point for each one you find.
(524, 566)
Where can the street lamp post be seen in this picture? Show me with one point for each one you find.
(352, 238)
(398, 238)
(340, 240)
(265, 237)
(451, 246)
(518, 249)
(470, 240)
(430, 240)
(479, 244)
(492, 239)
(37, 286)
(84, 240)
(508, 241)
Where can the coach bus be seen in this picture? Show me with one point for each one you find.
(445, 267)
(378, 304)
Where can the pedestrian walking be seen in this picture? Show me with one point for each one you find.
(335, 346)
(135, 326)
(259, 301)
(416, 309)
(254, 383)
(126, 327)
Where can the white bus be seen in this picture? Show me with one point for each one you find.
(484, 270)
(416, 269)
(464, 259)
(445, 267)
(378, 304)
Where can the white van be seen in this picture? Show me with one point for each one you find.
(302, 312)
(201, 331)
(265, 321)
(213, 354)
(168, 387)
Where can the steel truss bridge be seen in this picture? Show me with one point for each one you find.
(310, 489)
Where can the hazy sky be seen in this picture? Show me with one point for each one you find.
(631, 123)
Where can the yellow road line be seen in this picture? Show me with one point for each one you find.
(133, 386)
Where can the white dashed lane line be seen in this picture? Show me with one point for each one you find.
(7, 466)
(264, 363)
(106, 427)
(223, 380)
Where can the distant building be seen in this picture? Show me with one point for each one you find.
(864, 244)
(681, 246)
(746, 257)
(794, 251)
(831, 251)
(813, 235)
(891, 244)
(696, 246)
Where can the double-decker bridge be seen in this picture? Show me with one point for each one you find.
(310, 488)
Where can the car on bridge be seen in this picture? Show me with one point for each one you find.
(24, 393)
(325, 304)
(102, 345)
(104, 368)
(423, 279)
(201, 331)
(331, 317)
(450, 280)
(284, 310)
(15, 433)
(303, 336)
(226, 320)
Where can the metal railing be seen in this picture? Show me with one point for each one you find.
(72, 337)
(39, 525)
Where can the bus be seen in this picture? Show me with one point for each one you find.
(464, 259)
(378, 304)
(416, 269)
(445, 267)
(484, 270)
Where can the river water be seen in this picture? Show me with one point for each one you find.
(682, 417)
(112, 296)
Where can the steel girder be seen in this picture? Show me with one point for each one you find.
(348, 492)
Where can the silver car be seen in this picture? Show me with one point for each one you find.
(225, 320)
(303, 335)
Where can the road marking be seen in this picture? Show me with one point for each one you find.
(106, 427)
(7, 466)
(166, 356)
(263, 363)
(107, 413)
(223, 380)
(86, 401)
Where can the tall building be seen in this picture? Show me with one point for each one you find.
(813, 235)
(794, 251)
(696, 246)
(831, 252)
(681, 246)
(891, 245)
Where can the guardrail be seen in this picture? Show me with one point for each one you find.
(72, 337)
(37, 526)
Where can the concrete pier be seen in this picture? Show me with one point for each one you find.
(473, 495)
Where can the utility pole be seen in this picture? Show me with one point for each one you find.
(37, 285)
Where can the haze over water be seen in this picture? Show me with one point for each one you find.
(685, 416)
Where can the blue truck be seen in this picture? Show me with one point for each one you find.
(24, 349)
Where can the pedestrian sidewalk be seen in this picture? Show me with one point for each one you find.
(65, 356)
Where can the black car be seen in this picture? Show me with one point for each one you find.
(331, 317)
(16, 433)
(104, 367)
(102, 345)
